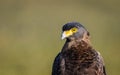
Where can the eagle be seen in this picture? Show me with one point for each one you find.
(77, 56)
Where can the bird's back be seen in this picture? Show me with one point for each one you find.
(79, 65)
(79, 62)
(88, 63)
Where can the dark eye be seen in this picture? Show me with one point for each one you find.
(74, 30)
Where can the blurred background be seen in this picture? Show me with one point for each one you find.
(30, 32)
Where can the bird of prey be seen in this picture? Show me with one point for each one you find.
(77, 56)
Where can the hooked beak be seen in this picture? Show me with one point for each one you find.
(66, 34)
(63, 36)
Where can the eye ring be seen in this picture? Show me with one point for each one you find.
(74, 29)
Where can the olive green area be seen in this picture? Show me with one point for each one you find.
(30, 32)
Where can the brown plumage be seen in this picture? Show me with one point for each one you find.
(78, 56)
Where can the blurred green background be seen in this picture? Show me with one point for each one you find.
(30, 32)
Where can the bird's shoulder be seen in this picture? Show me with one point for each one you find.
(58, 65)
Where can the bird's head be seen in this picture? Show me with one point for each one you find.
(74, 30)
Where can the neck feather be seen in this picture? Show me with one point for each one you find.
(77, 45)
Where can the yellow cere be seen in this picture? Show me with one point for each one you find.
(68, 32)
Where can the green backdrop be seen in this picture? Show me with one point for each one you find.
(30, 32)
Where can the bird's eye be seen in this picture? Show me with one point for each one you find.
(74, 29)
